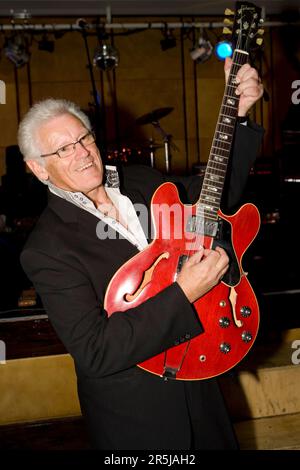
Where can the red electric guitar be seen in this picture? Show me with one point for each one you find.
(229, 312)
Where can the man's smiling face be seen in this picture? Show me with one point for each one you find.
(81, 172)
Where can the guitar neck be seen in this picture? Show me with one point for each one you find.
(214, 178)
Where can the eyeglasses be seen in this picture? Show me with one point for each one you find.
(70, 149)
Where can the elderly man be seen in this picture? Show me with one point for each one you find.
(70, 266)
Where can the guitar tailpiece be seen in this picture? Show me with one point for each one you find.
(169, 373)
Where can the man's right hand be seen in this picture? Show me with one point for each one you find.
(202, 272)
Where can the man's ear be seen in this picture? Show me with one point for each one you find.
(40, 171)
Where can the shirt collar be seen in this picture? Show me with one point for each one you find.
(111, 180)
(112, 183)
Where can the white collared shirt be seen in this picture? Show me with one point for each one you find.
(134, 232)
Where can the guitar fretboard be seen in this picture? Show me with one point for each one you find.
(213, 183)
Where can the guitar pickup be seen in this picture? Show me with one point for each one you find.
(197, 224)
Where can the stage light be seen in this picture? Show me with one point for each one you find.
(223, 49)
(16, 50)
(45, 44)
(106, 57)
(20, 14)
(169, 41)
(202, 51)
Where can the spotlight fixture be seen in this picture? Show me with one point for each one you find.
(223, 49)
(20, 14)
(201, 51)
(45, 44)
(169, 41)
(106, 57)
(16, 50)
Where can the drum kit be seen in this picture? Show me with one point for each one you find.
(148, 151)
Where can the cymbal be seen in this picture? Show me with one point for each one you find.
(154, 115)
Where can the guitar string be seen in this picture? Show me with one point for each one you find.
(237, 63)
(233, 71)
(199, 241)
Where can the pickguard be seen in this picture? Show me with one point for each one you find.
(224, 240)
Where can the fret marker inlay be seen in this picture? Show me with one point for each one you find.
(210, 197)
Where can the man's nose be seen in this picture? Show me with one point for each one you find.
(81, 150)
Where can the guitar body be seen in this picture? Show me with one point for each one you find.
(229, 313)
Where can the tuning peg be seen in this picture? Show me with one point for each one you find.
(229, 12)
(228, 21)
(227, 31)
(259, 41)
(261, 31)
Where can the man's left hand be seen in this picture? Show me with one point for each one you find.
(249, 89)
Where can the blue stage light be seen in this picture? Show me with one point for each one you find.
(223, 50)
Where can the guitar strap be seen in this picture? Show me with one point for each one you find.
(172, 365)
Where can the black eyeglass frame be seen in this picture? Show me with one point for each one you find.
(79, 141)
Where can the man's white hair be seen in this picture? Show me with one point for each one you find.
(39, 114)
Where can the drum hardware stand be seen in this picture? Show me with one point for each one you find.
(168, 144)
(153, 118)
(152, 149)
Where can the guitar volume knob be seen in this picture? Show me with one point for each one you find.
(246, 336)
(245, 311)
(224, 322)
(225, 348)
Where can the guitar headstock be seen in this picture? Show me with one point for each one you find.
(247, 31)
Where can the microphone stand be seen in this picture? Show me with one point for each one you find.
(99, 131)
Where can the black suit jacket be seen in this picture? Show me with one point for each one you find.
(126, 407)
